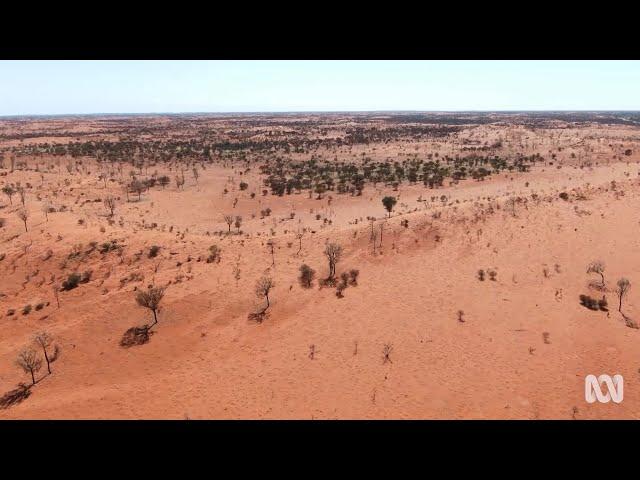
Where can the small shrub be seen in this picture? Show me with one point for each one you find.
(353, 277)
(72, 281)
(214, 254)
(106, 247)
(307, 275)
(153, 251)
(26, 310)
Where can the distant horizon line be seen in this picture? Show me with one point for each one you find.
(292, 112)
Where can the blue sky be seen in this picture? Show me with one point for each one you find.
(60, 87)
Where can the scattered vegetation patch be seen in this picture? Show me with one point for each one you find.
(307, 275)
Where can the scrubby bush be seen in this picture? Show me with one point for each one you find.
(307, 275)
(597, 267)
(153, 251)
(72, 281)
(214, 254)
(108, 246)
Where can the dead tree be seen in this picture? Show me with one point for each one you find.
(110, 205)
(271, 244)
(598, 268)
(263, 287)
(8, 190)
(23, 215)
(56, 289)
(45, 209)
(333, 252)
(229, 221)
(623, 288)
(151, 300)
(386, 352)
(45, 340)
(299, 236)
(22, 193)
(29, 362)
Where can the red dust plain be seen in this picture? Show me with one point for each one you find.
(471, 299)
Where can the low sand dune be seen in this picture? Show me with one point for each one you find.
(516, 346)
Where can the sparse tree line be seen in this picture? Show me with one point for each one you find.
(30, 361)
(319, 175)
(623, 285)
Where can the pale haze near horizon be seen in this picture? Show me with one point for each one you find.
(86, 87)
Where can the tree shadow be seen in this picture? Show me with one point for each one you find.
(629, 322)
(258, 317)
(15, 396)
(136, 336)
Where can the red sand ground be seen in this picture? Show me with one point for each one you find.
(207, 360)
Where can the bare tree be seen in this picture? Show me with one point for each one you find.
(151, 300)
(29, 362)
(8, 190)
(22, 194)
(271, 244)
(23, 215)
(110, 204)
(263, 287)
(299, 236)
(195, 174)
(623, 288)
(229, 221)
(137, 186)
(45, 209)
(45, 340)
(56, 288)
(238, 222)
(373, 236)
(598, 268)
(333, 252)
(386, 352)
